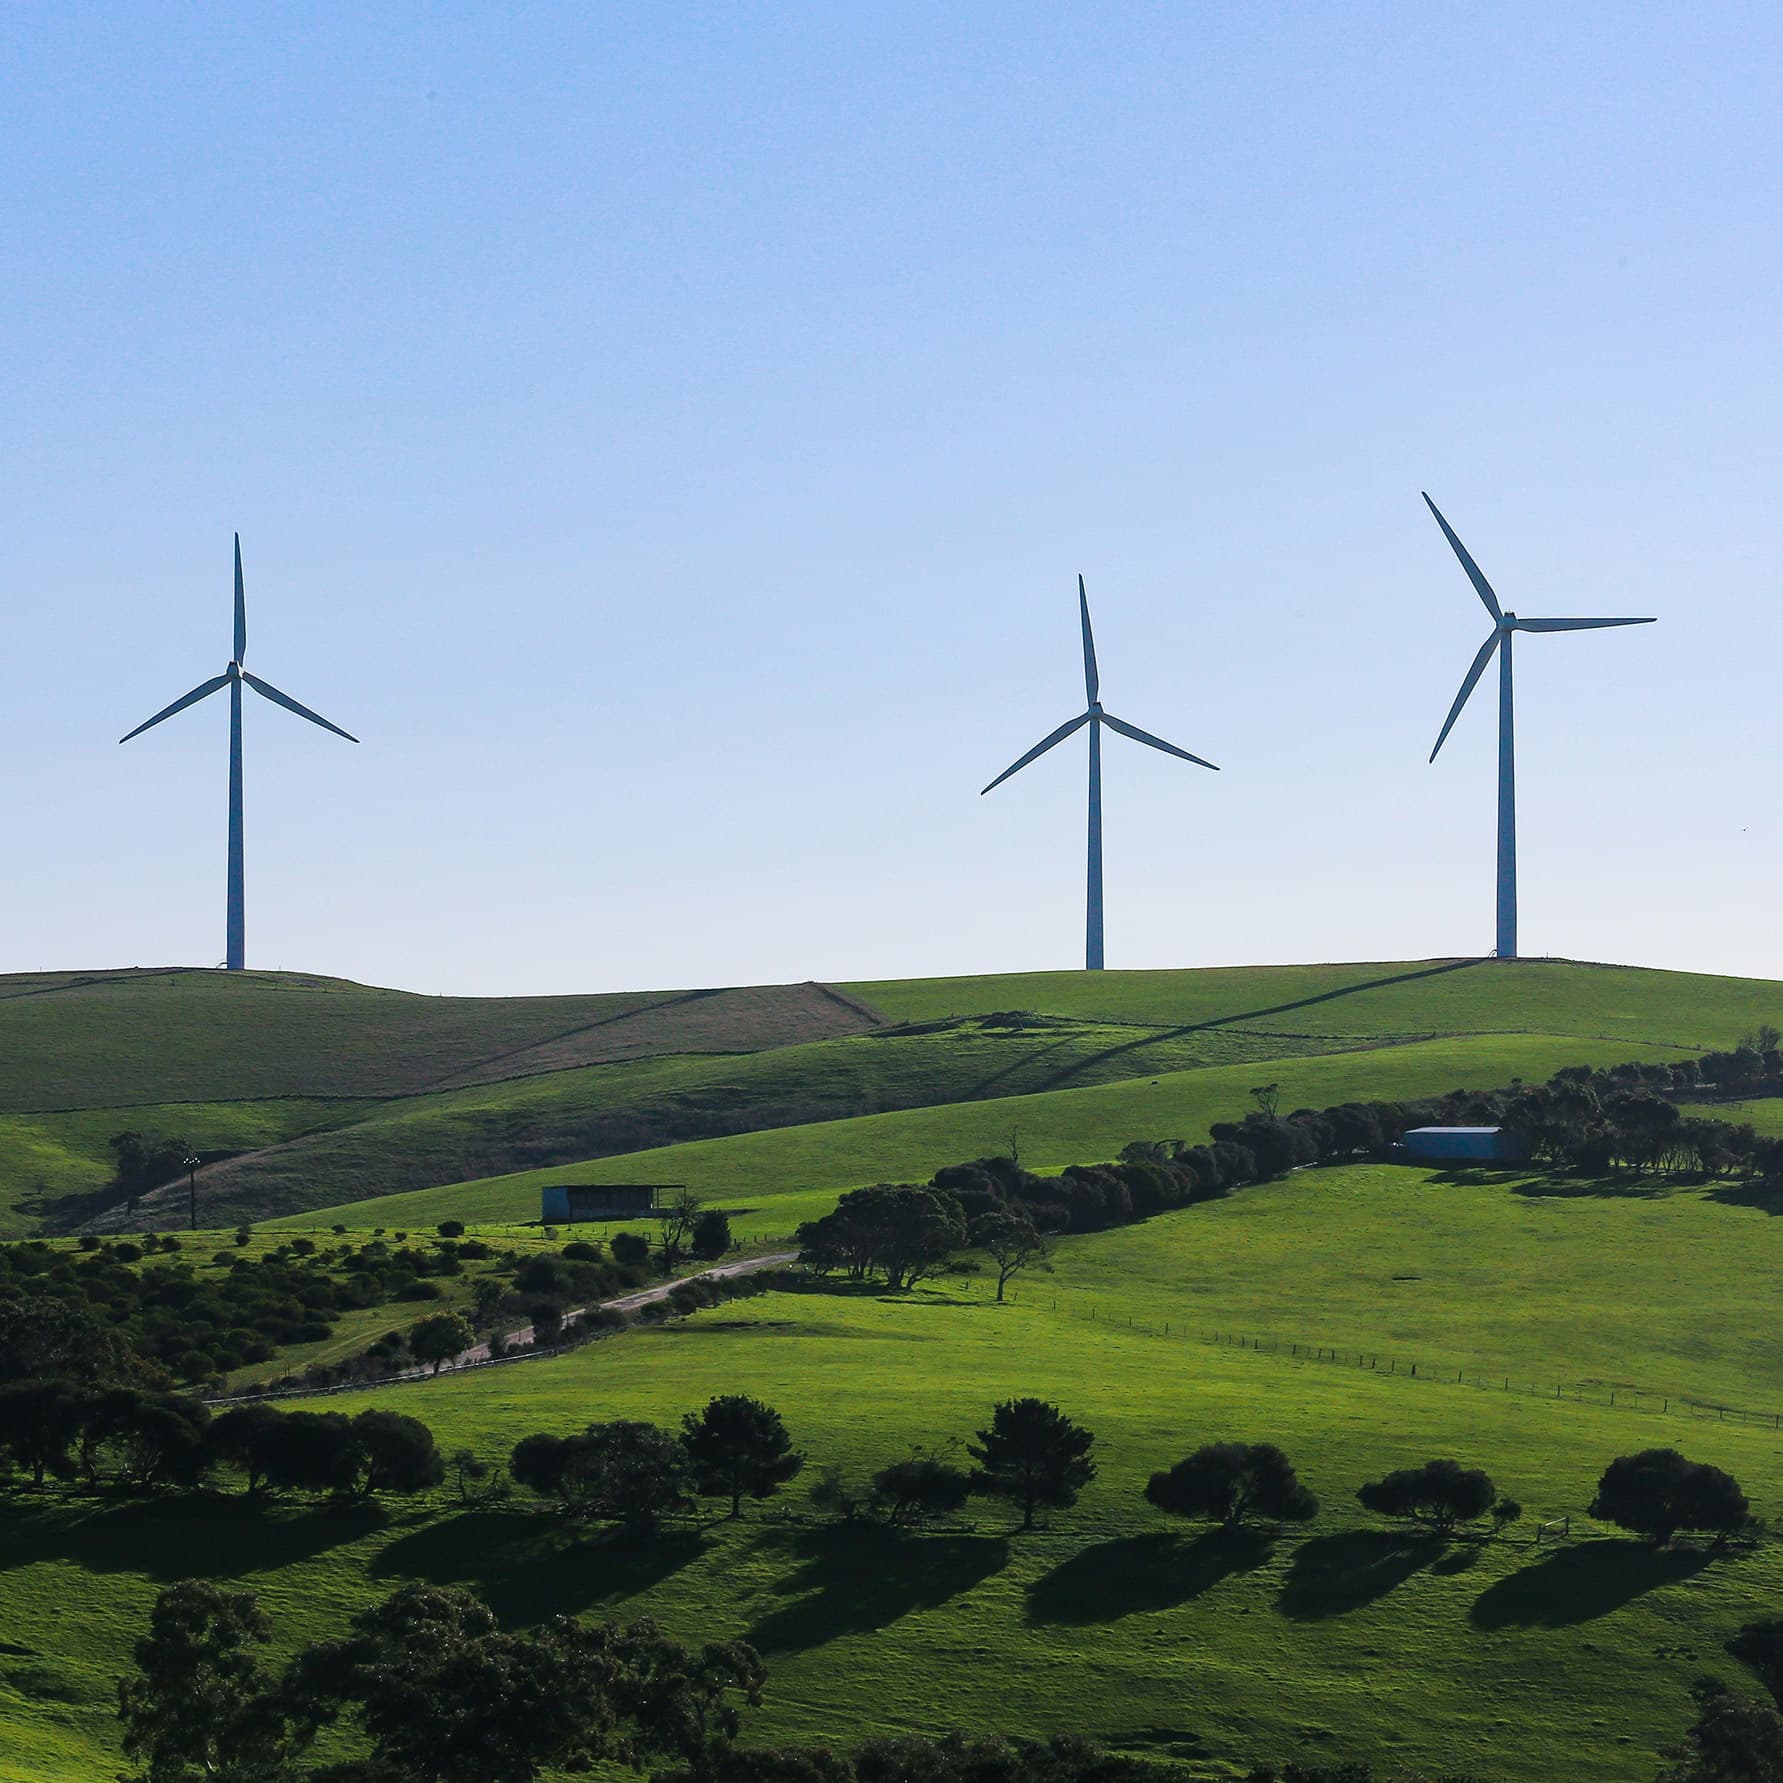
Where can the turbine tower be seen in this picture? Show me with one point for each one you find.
(232, 678)
(1095, 718)
(1503, 625)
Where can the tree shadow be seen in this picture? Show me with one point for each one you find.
(853, 1579)
(528, 1566)
(1767, 1197)
(195, 1536)
(1140, 1573)
(1579, 1584)
(1332, 1575)
(1092, 1061)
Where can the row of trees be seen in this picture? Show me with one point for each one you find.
(144, 1440)
(428, 1687)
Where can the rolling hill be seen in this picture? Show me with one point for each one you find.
(308, 1094)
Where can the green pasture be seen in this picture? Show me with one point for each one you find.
(774, 1179)
(620, 1108)
(1395, 998)
(1514, 1663)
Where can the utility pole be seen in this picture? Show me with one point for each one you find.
(192, 1189)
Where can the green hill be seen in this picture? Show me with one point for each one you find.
(308, 1094)
(1553, 1324)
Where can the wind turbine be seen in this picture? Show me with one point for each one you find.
(232, 678)
(1095, 718)
(1503, 625)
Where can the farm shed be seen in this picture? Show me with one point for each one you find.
(564, 1203)
(1461, 1145)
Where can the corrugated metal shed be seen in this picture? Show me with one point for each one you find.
(1462, 1145)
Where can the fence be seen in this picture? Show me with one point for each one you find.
(1637, 1399)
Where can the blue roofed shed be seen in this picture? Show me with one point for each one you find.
(1462, 1145)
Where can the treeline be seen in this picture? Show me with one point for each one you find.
(193, 1322)
(429, 1688)
(1593, 1121)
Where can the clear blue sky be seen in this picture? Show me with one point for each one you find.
(669, 437)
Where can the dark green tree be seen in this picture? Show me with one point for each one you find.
(1657, 1492)
(394, 1454)
(440, 1337)
(1034, 1455)
(197, 1706)
(712, 1234)
(738, 1447)
(1007, 1235)
(918, 1488)
(1441, 1493)
(1230, 1481)
(1733, 1740)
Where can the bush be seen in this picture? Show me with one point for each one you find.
(1440, 1493)
(630, 1248)
(450, 1228)
(1658, 1492)
(1229, 1481)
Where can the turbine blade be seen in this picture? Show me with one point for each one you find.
(1091, 681)
(1041, 748)
(1482, 587)
(1467, 687)
(241, 607)
(267, 691)
(1575, 624)
(1139, 736)
(202, 691)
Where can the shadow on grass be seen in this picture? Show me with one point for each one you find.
(1767, 1197)
(1602, 1188)
(1580, 1584)
(1058, 1079)
(852, 1579)
(1332, 1575)
(528, 1567)
(1138, 1573)
(179, 1538)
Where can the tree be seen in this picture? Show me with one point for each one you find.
(712, 1234)
(1007, 1236)
(920, 1487)
(1733, 1740)
(631, 1472)
(1441, 1493)
(441, 1692)
(1229, 1481)
(395, 1454)
(906, 1231)
(440, 1337)
(675, 1221)
(450, 1228)
(39, 1421)
(630, 1249)
(310, 1452)
(43, 1338)
(1032, 1453)
(1658, 1492)
(1759, 1645)
(245, 1436)
(196, 1707)
(738, 1446)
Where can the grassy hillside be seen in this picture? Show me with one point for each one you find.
(333, 1094)
(1515, 1664)
(1413, 997)
(778, 1178)
(115, 1038)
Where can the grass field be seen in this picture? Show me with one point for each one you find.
(398, 1093)
(1517, 1664)
(775, 1179)
(1498, 1659)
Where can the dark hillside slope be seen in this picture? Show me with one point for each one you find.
(116, 1038)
